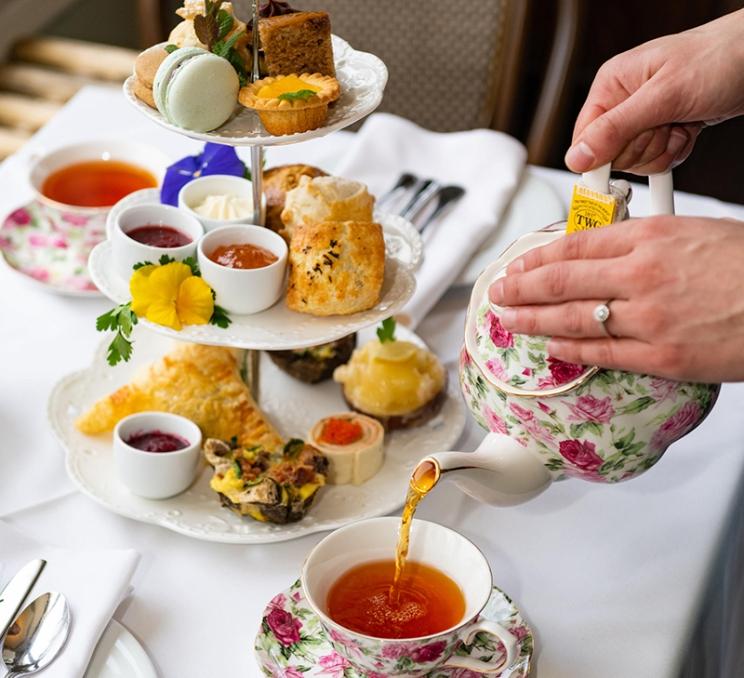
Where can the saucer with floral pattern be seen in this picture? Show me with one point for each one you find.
(291, 642)
(50, 247)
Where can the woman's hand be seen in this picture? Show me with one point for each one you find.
(647, 106)
(676, 286)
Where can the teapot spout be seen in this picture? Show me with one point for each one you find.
(500, 471)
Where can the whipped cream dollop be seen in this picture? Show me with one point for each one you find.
(225, 207)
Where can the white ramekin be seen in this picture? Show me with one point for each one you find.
(127, 252)
(244, 291)
(156, 475)
(196, 191)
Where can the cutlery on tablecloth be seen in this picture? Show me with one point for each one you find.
(15, 593)
(405, 183)
(423, 192)
(37, 635)
(446, 198)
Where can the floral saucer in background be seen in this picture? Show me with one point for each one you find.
(51, 247)
(291, 642)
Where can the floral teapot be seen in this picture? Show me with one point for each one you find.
(549, 419)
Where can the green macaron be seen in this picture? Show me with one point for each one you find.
(195, 89)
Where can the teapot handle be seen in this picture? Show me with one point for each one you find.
(660, 187)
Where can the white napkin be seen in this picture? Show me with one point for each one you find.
(94, 583)
(487, 164)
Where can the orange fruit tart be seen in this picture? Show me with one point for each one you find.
(288, 104)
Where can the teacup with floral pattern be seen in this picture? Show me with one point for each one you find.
(435, 545)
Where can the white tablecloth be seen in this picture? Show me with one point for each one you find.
(612, 578)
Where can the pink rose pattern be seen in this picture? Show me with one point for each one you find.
(313, 655)
(532, 425)
(562, 372)
(495, 423)
(50, 246)
(589, 408)
(573, 431)
(499, 336)
(681, 422)
(581, 454)
(507, 356)
(428, 653)
(284, 626)
(334, 665)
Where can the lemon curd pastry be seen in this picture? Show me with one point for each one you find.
(319, 199)
(201, 383)
(288, 104)
(335, 268)
(400, 384)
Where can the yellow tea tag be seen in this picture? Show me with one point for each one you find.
(590, 209)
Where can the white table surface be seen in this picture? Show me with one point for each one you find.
(611, 578)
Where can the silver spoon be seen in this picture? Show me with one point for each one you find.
(37, 635)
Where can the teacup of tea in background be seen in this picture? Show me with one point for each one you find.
(89, 178)
(74, 187)
(415, 626)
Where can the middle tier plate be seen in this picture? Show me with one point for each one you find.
(278, 328)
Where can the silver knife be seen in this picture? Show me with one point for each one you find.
(15, 593)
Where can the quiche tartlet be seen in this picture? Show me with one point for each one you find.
(288, 104)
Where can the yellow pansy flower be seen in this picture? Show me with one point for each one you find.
(195, 303)
(171, 295)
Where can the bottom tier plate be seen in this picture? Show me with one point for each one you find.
(292, 406)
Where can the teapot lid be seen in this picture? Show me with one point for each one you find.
(517, 364)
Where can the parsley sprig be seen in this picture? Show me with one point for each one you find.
(120, 320)
(386, 331)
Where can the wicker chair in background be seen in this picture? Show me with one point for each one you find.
(453, 72)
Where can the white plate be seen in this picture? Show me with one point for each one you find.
(119, 655)
(278, 328)
(292, 405)
(534, 205)
(362, 77)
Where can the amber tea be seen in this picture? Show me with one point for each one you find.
(427, 600)
(423, 479)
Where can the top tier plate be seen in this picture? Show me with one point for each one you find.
(362, 77)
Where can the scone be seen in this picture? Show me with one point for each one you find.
(326, 199)
(279, 180)
(335, 267)
(297, 43)
(145, 67)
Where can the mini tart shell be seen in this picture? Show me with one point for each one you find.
(281, 116)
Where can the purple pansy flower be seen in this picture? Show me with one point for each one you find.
(214, 159)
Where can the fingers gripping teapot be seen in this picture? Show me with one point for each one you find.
(549, 419)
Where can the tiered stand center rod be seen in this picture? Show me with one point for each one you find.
(253, 360)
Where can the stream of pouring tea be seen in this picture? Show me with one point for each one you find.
(423, 479)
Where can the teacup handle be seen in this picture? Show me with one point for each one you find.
(492, 628)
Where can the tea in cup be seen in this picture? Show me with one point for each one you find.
(89, 178)
(415, 627)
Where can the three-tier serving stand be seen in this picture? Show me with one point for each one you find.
(195, 513)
